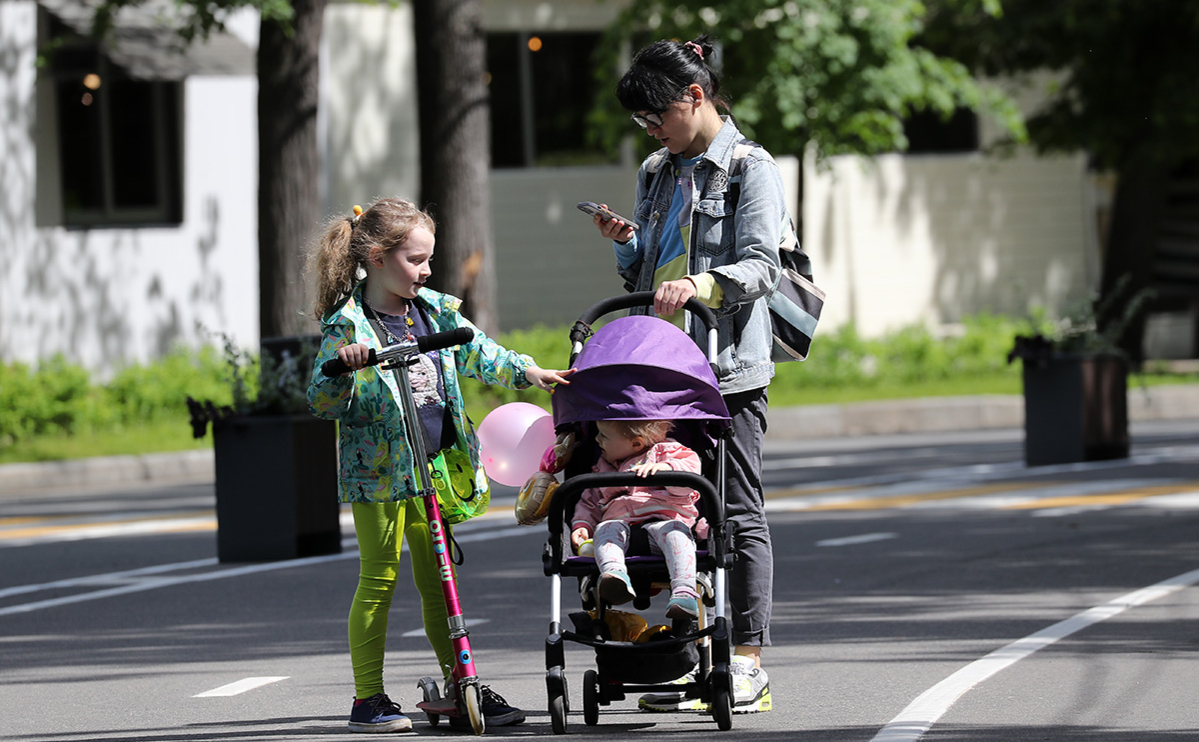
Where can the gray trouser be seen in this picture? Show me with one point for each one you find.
(751, 580)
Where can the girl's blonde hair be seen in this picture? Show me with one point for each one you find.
(651, 431)
(344, 248)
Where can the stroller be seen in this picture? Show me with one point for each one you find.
(640, 367)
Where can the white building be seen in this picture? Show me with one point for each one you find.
(112, 271)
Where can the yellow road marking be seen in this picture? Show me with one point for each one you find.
(1111, 498)
(896, 501)
(49, 530)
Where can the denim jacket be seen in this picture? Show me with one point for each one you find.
(734, 238)
(375, 457)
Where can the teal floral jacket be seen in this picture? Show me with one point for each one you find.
(376, 462)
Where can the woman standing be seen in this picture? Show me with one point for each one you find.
(712, 211)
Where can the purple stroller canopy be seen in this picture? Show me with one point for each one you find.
(640, 368)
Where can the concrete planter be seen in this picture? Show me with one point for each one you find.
(1075, 408)
(276, 487)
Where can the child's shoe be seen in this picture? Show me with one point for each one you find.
(616, 588)
(378, 714)
(682, 606)
(496, 711)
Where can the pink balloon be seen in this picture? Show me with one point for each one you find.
(512, 439)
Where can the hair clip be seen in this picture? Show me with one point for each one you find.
(357, 216)
(695, 48)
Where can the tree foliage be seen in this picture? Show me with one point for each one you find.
(839, 74)
(195, 19)
(1127, 71)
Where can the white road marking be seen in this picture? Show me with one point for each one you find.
(865, 538)
(921, 714)
(469, 622)
(241, 686)
(140, 580)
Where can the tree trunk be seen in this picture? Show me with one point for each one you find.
(455, 146)
(1132, 243)
(288, 166)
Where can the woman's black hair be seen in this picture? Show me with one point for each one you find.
(663, 70)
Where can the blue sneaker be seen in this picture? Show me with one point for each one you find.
(378, 714)
(616, 588)
(682, 606)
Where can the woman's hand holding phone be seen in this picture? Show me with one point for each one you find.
(610, 224)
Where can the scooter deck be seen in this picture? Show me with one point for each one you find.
(441, 707)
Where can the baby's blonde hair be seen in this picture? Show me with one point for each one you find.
(651, 431)
(346, 245)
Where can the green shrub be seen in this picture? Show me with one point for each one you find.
(158, 391)
(58, 399)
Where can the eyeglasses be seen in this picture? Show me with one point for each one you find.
(649, 119)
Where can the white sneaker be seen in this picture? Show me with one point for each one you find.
(673, 701)
(751, 687)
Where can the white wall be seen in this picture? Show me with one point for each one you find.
(108, 297)
(368, 88)
(931, 239)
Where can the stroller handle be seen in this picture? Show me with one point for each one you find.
(644, 299)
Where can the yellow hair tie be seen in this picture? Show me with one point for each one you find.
(357, 215)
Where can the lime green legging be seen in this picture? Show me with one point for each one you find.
(379, 527)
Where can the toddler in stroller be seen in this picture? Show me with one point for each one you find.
(667, 514)
(635, 371)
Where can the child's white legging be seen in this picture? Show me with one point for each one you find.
(670, 538)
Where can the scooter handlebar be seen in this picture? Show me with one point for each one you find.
(423, 344)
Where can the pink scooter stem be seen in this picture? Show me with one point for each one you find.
(464, 664)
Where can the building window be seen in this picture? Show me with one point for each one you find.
(118, 139)
(928, 133)
(541, 89)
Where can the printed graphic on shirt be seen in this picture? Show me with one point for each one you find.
(424, 378)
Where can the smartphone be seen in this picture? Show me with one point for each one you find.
(594, 209)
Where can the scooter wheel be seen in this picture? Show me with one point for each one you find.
(474, 709)
(428, 688)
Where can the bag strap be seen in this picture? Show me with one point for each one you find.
(789, 251)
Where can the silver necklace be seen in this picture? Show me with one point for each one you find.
(391, 338)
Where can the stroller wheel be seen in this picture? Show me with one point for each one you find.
(555, 684)
(591, 698)
(722, 701)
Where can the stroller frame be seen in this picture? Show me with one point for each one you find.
(713, 680)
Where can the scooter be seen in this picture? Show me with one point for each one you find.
(468, 699)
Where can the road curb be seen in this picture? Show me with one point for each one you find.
(942, 414)
(150, 468)
(925, 415)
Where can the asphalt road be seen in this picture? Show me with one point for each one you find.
(928, 587)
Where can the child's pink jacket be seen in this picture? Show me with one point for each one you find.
(642, 503)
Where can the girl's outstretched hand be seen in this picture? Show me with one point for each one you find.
(545, 380)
